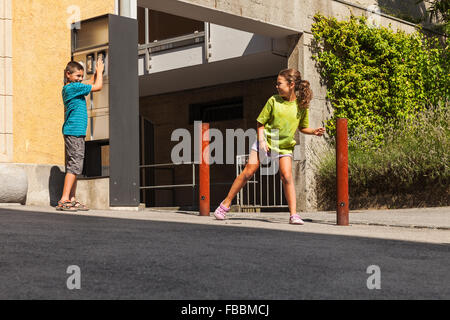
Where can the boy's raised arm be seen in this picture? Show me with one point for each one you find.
(98, 77)
(91, 80)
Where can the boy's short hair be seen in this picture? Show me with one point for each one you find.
(72, 67)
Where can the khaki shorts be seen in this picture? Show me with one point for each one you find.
(74, 154)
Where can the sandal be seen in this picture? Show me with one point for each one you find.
(65, 206)
(79, 206)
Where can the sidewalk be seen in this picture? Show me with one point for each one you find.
(431, 218)
(418, 218)
(425, 225)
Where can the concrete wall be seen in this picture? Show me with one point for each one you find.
(227, 43)
(177, 58)
(6, 83)
(288, 15)
(294, 15)
(45, 185)
(403, 7)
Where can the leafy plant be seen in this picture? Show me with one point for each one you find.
(377, 78)
(414, 160)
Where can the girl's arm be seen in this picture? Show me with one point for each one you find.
(261, 140)
(260, 132)
(317, 132)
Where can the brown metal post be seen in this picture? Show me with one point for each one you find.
(204, 199)
(342, 172)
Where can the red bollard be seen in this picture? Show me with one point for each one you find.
(204, 199)
(342, 172)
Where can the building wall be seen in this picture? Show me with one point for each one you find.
(41, 50)
(35, 47)
(171, 111)
(404, 7)
(6, 93)
(298, 15)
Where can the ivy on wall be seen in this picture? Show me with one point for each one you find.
(376, 77)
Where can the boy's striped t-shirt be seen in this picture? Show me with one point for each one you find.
(75, 117)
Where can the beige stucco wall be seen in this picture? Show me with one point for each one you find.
(6, 138)
(41, 50)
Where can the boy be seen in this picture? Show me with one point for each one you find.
(74, 128)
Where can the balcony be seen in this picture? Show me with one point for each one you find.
(177, 53)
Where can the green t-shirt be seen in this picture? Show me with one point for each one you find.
(283, 118)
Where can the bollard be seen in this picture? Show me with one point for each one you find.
(204, 199)
(342, 172)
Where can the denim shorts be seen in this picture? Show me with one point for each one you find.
(74, 147)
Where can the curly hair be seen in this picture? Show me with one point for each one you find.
(302, 87)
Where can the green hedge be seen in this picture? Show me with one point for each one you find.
(376, 77)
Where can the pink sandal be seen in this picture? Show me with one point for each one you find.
(221, 212)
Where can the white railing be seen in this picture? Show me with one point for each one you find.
(261, 190)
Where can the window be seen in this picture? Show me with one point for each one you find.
(221, 110)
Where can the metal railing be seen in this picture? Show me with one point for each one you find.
(172, 43)
(259, 192)
(167, 166)
(148, 48)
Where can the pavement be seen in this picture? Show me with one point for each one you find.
(416, 224)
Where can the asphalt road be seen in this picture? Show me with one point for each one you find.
(138, 259)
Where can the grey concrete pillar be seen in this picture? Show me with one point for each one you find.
(296, 61)
(308, 147)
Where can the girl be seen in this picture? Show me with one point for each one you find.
(277, 124)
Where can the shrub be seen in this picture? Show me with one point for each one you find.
(414, 160)
(376, 77)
